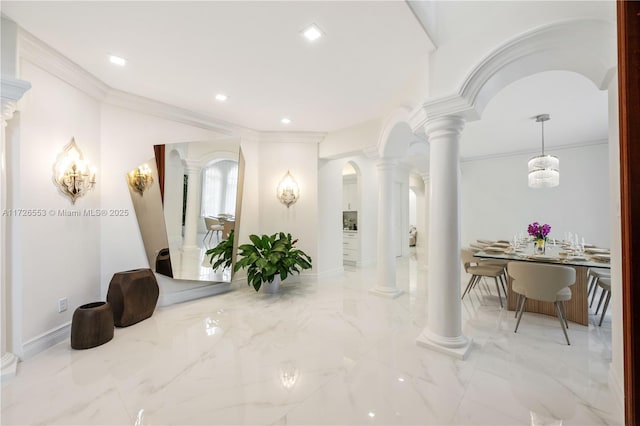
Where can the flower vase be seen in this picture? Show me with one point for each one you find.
(540, 246)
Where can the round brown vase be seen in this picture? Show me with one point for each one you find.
(92, 325)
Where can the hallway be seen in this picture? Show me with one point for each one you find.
(326, 353)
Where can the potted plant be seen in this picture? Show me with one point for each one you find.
(222, 254)
(270, 259)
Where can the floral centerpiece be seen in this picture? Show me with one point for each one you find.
(539, 233)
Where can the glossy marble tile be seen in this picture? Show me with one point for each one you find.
(319, 353)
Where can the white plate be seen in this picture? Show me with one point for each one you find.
(576, 258)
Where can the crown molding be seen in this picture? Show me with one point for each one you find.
(292, 137)
(46, 57)
(52, 61)
(371, 152)
(534, 151)
(121, 99)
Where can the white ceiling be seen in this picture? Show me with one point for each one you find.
(183, 53)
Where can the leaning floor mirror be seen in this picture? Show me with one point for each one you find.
(187, 200)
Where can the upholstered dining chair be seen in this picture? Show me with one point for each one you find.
(212, 225)
(478, 270)
(547, 283)
(594, 275)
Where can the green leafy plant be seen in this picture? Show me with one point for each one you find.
(268, 256)
(222, 254)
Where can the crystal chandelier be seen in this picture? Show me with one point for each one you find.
(544, 169)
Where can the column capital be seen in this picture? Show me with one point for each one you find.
(192, 166)
(386, 164)
(450, 125)
(11, 91)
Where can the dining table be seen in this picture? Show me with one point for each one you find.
(591, 257)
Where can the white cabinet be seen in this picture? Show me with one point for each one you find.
(350, 193)
(350, 247)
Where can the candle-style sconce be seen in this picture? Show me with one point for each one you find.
(72, 174)
(140, 178)
(288, 190)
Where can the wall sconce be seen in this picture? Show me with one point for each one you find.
(288, 191)
(140, 179)
(73, 176)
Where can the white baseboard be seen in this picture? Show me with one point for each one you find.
(172, 297)
(9, 363)
(617, 389)
(337, 272)
(47, 339)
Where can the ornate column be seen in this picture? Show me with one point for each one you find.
(11, 92)
(192, 212)
(386, 285)
(444, 311)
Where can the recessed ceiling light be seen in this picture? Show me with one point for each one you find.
(285, 120)
(312, 32)
(221, 97)
(117, 60)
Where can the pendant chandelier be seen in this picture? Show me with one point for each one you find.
(544, 170)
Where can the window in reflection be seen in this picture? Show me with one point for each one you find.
(220, 183)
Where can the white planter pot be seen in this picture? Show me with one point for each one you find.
(272, 287)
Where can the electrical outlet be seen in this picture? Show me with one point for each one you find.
(62, 305)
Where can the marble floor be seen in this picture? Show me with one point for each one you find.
(326, 353)
(193, 263)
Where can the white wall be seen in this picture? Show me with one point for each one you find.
(330, 195)
(413, 207)
(416, 183)
(127, 140)
(616, 372)
(330, 207)
(497, 202)
(301, 159)
(53, 256)
(351, 140)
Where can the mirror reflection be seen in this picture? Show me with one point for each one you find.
(194, 206)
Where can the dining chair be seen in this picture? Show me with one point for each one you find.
(212, 225)
(593, 277)
(605, 284)
(547, 283)
(478, 270)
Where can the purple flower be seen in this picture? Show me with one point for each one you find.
(539, 231)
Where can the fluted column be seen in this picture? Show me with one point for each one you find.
(192, 212)
(444, 311)
(11, 92)
(386, 265)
